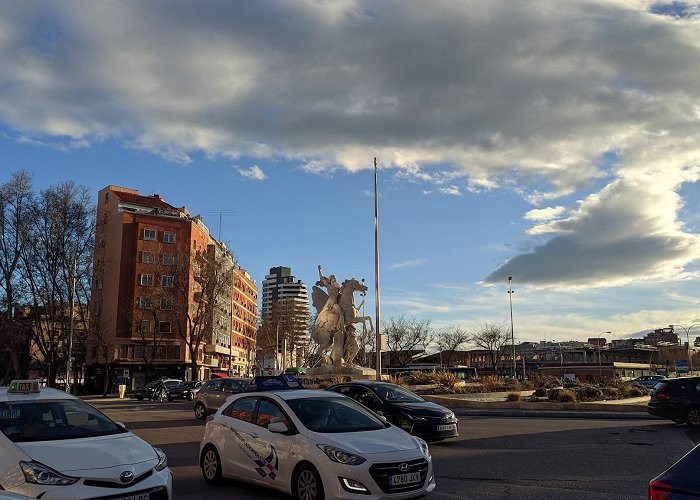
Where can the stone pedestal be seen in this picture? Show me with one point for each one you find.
(356, 372)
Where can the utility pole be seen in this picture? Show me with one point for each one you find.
(512, 334)
(377, 323)
(69, 363)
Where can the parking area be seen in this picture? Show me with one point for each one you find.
(494, 457)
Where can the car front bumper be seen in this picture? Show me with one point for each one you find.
(375, 479)
(158, 486)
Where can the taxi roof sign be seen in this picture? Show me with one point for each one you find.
(23, 387)
(274, 383)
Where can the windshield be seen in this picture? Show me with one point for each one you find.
(397, 394)
(334, 415)
(25, 421)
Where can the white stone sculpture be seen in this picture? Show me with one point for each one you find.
(337, 316)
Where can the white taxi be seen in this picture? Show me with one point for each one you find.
(56, 446)
(313, 445)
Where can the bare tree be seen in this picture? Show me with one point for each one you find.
(213, 274)
(404, 336)
(16, 201)
(60, 254)
(493, 338)
(449, 340)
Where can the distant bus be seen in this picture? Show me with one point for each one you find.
(462, 372)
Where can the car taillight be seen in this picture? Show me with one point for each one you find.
(661, 395)
(658, 490)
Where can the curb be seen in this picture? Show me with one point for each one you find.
(542, 406)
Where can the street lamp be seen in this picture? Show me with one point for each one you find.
(687, 338)
(600, 365)
(512, 335)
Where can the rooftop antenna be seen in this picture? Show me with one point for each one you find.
(221, 213)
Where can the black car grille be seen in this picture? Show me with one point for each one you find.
(381, 473)
(160, 493)
(118, 484)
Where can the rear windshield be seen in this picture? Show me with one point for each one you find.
(25, 421)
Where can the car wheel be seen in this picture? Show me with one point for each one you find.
(692, 416)
(307, 483)
(200, 411)
(211, 465)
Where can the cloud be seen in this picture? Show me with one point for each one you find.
(407, 263)
(253, 172)
(451, 190)
(489, 94)
(545, 213)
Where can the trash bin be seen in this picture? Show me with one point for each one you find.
(122, 391)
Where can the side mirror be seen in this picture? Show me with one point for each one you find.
(121, 424)
(381, 417)
(278, 427)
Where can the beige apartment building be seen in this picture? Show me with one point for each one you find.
(156, 301)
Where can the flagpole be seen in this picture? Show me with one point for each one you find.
(378, 340)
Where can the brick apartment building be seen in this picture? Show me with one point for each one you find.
(150, 298)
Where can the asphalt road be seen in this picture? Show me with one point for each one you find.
(496, 456)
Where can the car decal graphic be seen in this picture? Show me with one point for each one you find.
(263, 454)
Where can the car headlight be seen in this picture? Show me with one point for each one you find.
(38, 473)
(341, 456)
(422, 445)
(162, 460)
(415, 418)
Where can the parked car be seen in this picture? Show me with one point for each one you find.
(213, 393)
(403, 408)
(647, 380)
(156, 389)
(296, 370)
(183, 390)
(54, 445)
(677, 399)
(680, 481)
(313, 445)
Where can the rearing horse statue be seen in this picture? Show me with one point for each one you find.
(337, 315)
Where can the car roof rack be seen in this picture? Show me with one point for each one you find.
(274, 383)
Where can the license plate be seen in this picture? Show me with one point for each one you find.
(411, 477)
(446, 427)
(139, 496)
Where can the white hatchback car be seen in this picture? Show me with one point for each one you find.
(56, 446)
(312, 444)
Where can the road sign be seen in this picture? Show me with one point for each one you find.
(126, 373)
(681, 366)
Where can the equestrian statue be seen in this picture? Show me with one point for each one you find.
(335, 327)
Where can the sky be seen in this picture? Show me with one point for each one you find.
(554, 143)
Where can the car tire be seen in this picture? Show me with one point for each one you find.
(210, 463)
(692, 416)
(307, 484)
(200, 412)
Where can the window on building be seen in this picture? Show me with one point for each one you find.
(144, 303)
(168, 237)
(106, 198)
(173, 352)
(166, 304)
(147, 279)
(99, 283)
(124, 351)
(166, 280)
(148, 257)
(167, 259)
(149, 234)
(164, 327)
(145, 326)
(138, 351)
